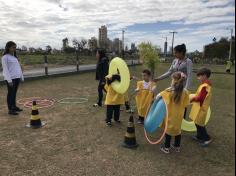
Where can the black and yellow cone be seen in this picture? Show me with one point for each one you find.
(130, 139)
(35, 121)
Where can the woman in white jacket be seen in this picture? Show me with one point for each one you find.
(12, 74)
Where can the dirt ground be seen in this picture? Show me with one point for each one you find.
(76, 141)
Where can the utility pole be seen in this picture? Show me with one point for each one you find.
(165, 47)
(231, 42)
(123, 44)
(173, 39)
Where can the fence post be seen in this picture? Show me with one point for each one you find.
(77, 61)
(46, 65)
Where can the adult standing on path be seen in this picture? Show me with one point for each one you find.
(180, 64)
(101, 72)
(12, 74)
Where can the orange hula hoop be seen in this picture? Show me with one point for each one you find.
(163, 134)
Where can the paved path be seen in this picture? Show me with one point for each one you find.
(60, 70)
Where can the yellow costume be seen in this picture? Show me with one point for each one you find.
(199, 113)
(175, 111)
(144, 97)
(112, 97)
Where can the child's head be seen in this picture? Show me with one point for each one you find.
(203, 74)
(177, 83)
(146, 75)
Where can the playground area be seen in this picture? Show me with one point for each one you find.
(76, 141)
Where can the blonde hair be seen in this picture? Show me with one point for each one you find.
(178, 85)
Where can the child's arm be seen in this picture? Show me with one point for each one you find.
(200, 97)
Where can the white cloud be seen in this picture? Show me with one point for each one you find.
(43, 22)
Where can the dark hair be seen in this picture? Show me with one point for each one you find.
(7, 48)
(178, 85)
(181, 49)
(102, 53)
(148, 72)
(204, 71)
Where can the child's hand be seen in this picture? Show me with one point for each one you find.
(155, 80)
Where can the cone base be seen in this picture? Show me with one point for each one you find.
(129, 146)
(36, 126)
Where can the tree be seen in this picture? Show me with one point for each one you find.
(80, 45)
(48, 49)
(149, 54)
(24, 48)
(65, 43)
(220, 50)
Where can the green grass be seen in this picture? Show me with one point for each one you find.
(76, 141)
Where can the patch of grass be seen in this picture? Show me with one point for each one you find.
(76, 141)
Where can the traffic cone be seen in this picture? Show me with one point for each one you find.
(130, 139)
(35, 121)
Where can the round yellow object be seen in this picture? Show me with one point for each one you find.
(189, 125)
(118, 64)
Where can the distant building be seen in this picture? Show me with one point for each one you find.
(117, 45)
(102, 37)
(93, 43)
(109, 45)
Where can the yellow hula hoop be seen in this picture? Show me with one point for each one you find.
(119, 64)
(189, 125)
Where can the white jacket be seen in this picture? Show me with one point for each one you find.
(11, 68)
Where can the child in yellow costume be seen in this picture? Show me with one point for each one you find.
(113, 100)
(146, 91)
(176, 99)
(201, 102)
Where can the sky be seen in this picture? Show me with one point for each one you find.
(39, 23)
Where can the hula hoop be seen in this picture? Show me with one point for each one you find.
(70, 100)
(163, 134)
(119, 64)
(189, 126)
(24, 100)
(40, 104)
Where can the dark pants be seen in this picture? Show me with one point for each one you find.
(141, 118)
(100, 92)
(168, 140)
(127, 106)
(202, 133)
(113, 109)
(11, 95)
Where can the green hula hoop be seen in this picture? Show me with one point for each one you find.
(73, 100)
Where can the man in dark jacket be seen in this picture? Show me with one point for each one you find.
(101, 72)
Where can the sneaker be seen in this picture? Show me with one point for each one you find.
(206, 143)
(165, 150)
(97, 105)
(117, 121)
(195, 138)
(109, 124)
(140, 122)
(17, 109)
(128, 111)
(13, 113)
(176, 149)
